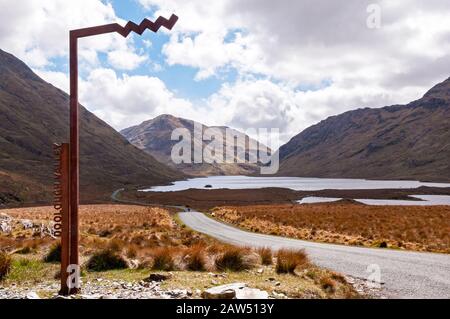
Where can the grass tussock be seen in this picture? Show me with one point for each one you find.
(54, 254)
(328, 284)
(106, 260)
(163, 259)
(289, 260)
(195, 258)
(233, 259)
(5, 265)
(266, 256)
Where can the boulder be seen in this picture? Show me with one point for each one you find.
(223, 292)
(234, 291)
(27, 224)
(5, 227)
(251, 293)
(32, 295)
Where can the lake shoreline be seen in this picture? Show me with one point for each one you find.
(293, 183)
(205, 199)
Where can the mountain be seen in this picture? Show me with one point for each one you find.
(396, 142)
(33, 116)
(154, 137)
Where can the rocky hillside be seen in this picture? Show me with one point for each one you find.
(154, 137)
(33, 115)
(396, 142)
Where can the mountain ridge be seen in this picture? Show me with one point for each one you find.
(409, 141)
(33, 115)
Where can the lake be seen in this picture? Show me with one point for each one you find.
(425, 200)
(295, 183)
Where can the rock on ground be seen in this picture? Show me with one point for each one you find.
(234, 291)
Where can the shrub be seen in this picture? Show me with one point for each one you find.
(163, 260)
(196, 259)
(25, 250)
(54, 255)
(131, 252)
(289, 260)
(232, 259)
(266, 256)
(115, 245)
(5, 265)
(383, 244)
(106, 260)
(105, 233)
(328, 284)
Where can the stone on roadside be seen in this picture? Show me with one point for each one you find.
(223, 292)
(251, 293)
(32, 295)
(234, 291)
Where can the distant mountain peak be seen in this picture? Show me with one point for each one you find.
(154, 137)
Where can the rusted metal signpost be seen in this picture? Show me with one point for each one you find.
(69, 179)
(61, 204)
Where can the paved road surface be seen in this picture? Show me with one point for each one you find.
(403, 274)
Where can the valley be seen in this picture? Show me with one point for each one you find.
(179, 230)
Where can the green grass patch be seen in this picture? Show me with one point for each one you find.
(30, 270)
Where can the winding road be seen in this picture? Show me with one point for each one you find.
(403, 274)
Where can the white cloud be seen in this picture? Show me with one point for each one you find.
(298, 62)
(123, 101)
(125, 59)
(37, 31)
(307, 43)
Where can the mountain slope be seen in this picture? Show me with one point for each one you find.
(396, 142)
(33, 115)
(154, 137)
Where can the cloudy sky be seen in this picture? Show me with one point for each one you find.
(282, 64)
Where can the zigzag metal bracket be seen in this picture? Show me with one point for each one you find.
(147, 24)
(129, 27)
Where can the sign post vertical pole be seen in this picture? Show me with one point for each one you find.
(74, 153)
(65, 231)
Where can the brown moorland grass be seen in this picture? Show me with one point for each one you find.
(106, 260)
(289, 260)
(146, 237)
(163, 259)
(266, 256)
(195, 258)
(138, 235)
(420, 228)
(5, 264)
(233, 259)
(116, 227)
